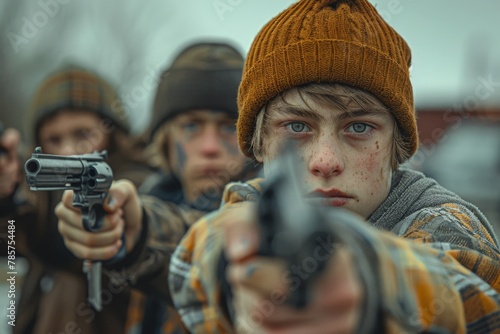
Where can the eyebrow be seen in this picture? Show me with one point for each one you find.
(300, 112)
(304, 113)
(219, 117)
(361, 113)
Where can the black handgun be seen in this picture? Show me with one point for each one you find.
(295, 228)
(90, 177)
(291, 228)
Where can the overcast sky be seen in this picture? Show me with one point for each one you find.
(454, 42)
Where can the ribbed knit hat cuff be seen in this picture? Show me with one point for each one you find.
(74, 89)
(187, 89)
(325, 61)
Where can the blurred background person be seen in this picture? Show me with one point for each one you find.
(194, 145)
(74, 111)
(10, 173)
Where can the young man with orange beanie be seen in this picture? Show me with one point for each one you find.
(333, 77)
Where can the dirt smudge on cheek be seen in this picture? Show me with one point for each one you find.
(370, 163)
(180, 154)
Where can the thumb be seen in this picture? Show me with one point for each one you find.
(119, 194)
(240, 231)
(123, 195)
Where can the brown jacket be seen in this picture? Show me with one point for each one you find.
(53, 296)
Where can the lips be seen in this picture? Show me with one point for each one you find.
(330, 197)
(209, 171)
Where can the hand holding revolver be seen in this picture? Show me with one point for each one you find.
(123, 216)
(92, 213)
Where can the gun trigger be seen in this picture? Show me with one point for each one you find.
(93, 218)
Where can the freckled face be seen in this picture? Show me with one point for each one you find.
(203, 152)
(347, 155)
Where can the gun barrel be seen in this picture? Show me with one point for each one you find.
(54, 173)
(54, 165)
(88, 172)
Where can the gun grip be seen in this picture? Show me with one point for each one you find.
(93, 218)
(122, 252)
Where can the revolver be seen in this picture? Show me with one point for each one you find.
(90, 177)
(289, 227)
(292, 228)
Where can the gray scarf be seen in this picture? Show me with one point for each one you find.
(412, 191)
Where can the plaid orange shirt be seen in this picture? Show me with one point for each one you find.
(439, 266)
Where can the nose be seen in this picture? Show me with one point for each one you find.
(211, 142)
(71, 145)
(326, 161)
(67, 149)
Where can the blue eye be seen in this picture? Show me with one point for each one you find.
(228, 128)
(297, 127)
(359, 127)
(190, 126)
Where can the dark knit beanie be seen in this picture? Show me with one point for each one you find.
(75, 88)
(202, 76)
(327, 41)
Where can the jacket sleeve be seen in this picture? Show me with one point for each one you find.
(193, 278)
(441, 275)
(146, 266)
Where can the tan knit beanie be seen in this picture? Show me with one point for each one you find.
(327, 41)
(204, 75)
(75, 88)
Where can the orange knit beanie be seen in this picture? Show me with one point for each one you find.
(327, 41)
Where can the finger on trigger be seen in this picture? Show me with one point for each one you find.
(69, 216)
(111, 221)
